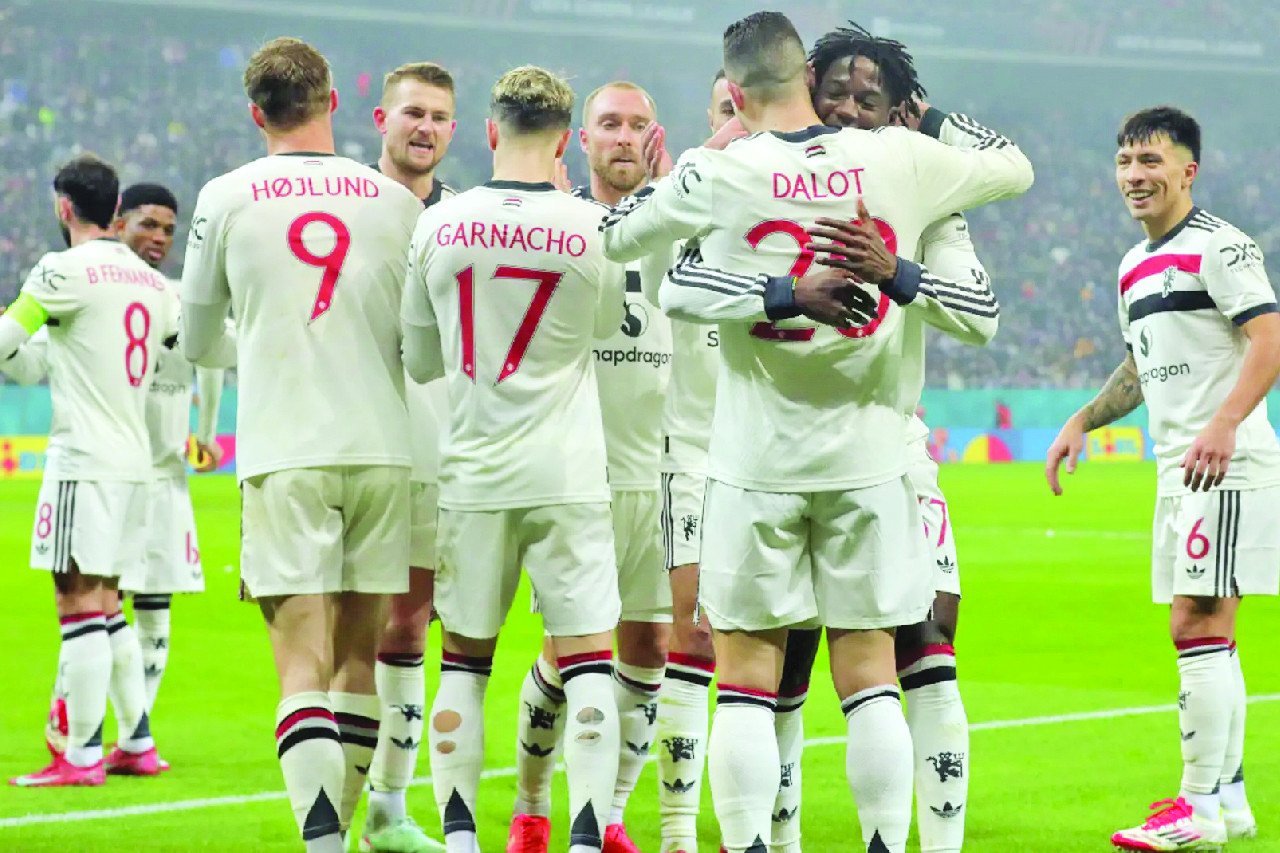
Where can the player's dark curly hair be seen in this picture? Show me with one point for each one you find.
(897, 68)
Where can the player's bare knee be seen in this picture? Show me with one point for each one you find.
(402, 637)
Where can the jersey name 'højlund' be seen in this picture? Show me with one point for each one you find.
(513, 277)
(310, 249)
(1182, 301)
(109, 317)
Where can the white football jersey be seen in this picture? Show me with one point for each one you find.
(691, 397)
(798, 407)
(310, 250)
(109, 319)
(513, 279)
(169, 405)
(428, 417)
(428, 404)
(1182, 301)
(633, 367)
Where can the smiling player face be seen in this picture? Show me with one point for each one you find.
(852, 94)
(1155, 176)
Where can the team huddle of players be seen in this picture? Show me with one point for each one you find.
(681, 398)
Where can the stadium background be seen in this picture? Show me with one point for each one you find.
(154, 86)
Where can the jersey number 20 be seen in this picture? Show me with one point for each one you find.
(796, 231)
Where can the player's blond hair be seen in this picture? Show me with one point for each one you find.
(427, 73)
(290, 82)
(530, 99)
(624, 85)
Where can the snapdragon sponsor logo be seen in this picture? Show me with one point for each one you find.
(634, 355)
(1164, 372)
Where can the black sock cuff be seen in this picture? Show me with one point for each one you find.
(858, 700)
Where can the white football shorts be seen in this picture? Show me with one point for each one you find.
(643, 585)
(853, 559)
(172, 562)
(682, 498)
(312, 531)
(1216, 544)
(567, 549)
(99, 525)
(424, 511)
(939, 537)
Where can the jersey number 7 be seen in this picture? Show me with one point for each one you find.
(547, 282)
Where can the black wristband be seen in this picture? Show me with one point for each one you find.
(931, 122)
(780, 297)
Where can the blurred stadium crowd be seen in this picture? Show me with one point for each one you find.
(173, 111)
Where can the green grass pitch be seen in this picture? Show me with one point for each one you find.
(1057, 621)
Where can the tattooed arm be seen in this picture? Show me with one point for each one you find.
(1120, 396)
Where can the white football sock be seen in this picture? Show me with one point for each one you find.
(742, 761)
(310, 752)
(151, 620)
(128, 687)
(682, 748)
(635, 689)
(1205, 701)
(591, 740)
(539, 725)
(85, 663)
(402, 690)
(940, 735)
(1232, 778)
(878, 765)
(456, 740)
(357, 718)
(788, 726)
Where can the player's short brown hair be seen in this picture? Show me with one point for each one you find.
(530, 99)
(626, 86)
(428, 73)
(290, 82)
(763, 52)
